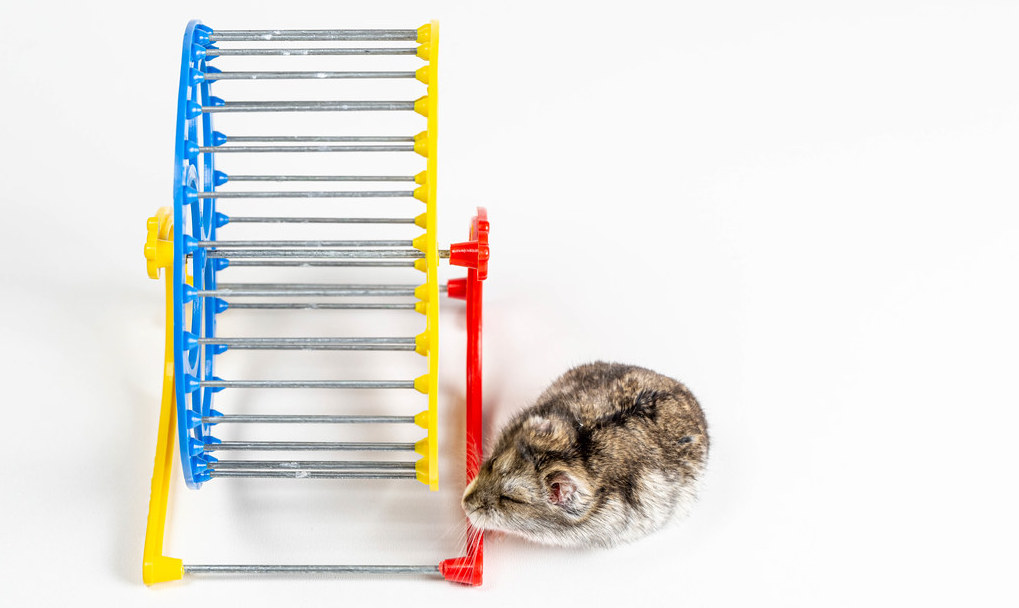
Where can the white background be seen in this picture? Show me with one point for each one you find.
(805, 211)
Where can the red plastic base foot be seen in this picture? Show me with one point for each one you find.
(466, 570)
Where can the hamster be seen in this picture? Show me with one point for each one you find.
(608, 454)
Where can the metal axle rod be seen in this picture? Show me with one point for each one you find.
(303, 75)
(296, 35)
(359, 384)
(311, 106)
(296, 465)
(304, 419)
(352, 446)
(305, 569)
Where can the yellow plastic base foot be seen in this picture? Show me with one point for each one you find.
(162, 569)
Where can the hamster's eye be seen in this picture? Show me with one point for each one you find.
(509, 498)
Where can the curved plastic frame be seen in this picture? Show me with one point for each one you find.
(193, 220)
(473, 255)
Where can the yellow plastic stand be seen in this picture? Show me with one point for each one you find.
(156, 567)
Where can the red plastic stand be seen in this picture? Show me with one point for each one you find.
(472, 255)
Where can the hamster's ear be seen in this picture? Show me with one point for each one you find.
(548, 432)
(562, 488)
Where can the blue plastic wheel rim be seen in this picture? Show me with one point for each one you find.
(193, 317)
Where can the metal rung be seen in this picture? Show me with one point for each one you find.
(319, 138)
(312, 343)
(313, 285)
(308, 52)
(310, 194)
(311, 106)
(317, 465)
(304, 419)
(318, 253)
(323, 263)
(303, 75)
(358, 384)
(228, 244)
(313, 475)
(305, 569)
(296, 35)
(319, 306)
(321, 220)
(303, 292)
(390, 148)
(315, 446)
(324, 178)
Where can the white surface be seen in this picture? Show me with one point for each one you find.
(807, 214)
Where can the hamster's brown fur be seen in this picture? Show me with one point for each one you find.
(608, 454)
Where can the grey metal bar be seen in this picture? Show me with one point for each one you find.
(250, 149)
(315, 446)
(295, 35)
(311, 106)
(323, 263)
(313, 465)
(315, 285)
(319, 138)
(301, 293)
(308, 52)
(313, 474)
(320, 220)
(305, 569)
(317, 253)
(358, 384)
(305, 419)
(311, 194)
(319, 306)
(312, 343)
(354, 286)
(229, 244)
(303, 75)
(321, 178)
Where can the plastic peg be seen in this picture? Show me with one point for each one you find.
(421, 293)
(211, 70)
(421, 179)
(190, 244)
(422, 419)
(218, 139)
(189, 340)
(422, 221)
(421, 106)
(421, 193)
(190, 195)
(457, 288)
(196, 77)
(422, 74)
(219, 305)
(218, 179)
(188, 293)
(470, 254)
(191, 150)
(219, 264)
(421, 307)
(425, 33)
(194, 419)
(421, 144)
(421, 264)
(192, 110)
(421, 343)
(198, 53)
(190, 383)
(421, 384)
(425, 51)
(216, 102)
(195, 446)
(466, 570)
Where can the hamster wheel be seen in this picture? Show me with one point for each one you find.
(185, 240)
